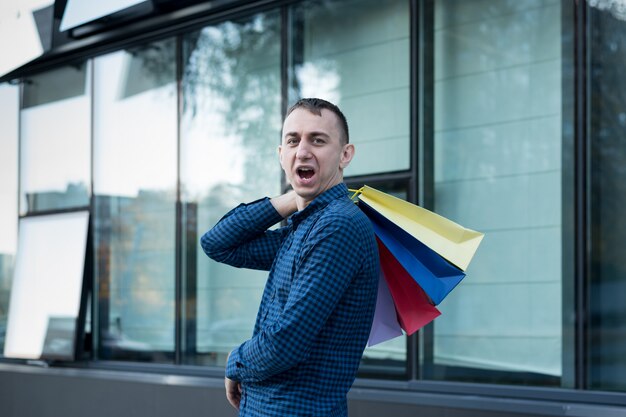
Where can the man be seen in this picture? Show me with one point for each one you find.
(318, 303)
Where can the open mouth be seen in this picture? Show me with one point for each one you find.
(305, 173)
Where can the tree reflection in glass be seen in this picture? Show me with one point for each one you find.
(607, 146)
(230, 132)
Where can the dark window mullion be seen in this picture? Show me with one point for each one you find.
(568, 208)
(422, 163)
(580, 168)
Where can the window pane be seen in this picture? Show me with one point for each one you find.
(607, 110)
(229, 138)
(9, 103)
(135, 188)
(46, 293)
(497, 169)
(55, 140)
(363, 67)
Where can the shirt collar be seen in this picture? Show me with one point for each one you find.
(321, 201)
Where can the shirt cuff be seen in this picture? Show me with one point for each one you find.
(259, 212)
(233, 365)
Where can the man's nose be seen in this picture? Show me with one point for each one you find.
(303, 151)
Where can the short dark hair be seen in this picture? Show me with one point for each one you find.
(315, 106)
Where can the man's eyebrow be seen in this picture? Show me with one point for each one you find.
(289, 134)
(319, 134)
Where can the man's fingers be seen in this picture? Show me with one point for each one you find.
(234, 400)
(233, 392)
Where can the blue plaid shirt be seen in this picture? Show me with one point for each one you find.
(317, 308)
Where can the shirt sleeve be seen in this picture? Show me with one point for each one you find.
(242, 239)
(332, 259)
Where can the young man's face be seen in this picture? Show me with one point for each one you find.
(312, 153)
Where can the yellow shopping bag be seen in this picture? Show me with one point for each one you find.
(450, 240)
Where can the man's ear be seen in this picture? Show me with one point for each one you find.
(346, 155)
(280, 154)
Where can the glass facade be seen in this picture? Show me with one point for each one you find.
(465, 107)
(498, 169)
(135, 176)
(363, 67)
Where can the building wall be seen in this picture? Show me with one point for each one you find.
(30, 391)
(511, 141)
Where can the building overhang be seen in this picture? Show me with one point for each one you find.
(37, 34)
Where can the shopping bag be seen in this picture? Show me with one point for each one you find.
(385, 326)
(411, 303)
(436, 276)
(452, 241)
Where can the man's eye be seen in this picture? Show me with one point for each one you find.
(292, 141)
(318, 141)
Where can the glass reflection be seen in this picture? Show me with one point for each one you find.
(497, 169)
(135, 192)
(47, 288)
(607, 139)
(9, 103)
(229, 137)
(364, 68)
(55, 142)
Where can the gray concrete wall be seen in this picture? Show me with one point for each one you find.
(30, 391)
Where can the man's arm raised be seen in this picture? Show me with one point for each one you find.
(242, 237)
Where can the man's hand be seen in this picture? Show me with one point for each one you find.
(233, 389)
(285, 204)
(233, 392)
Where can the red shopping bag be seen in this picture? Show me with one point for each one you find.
(412, 304)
